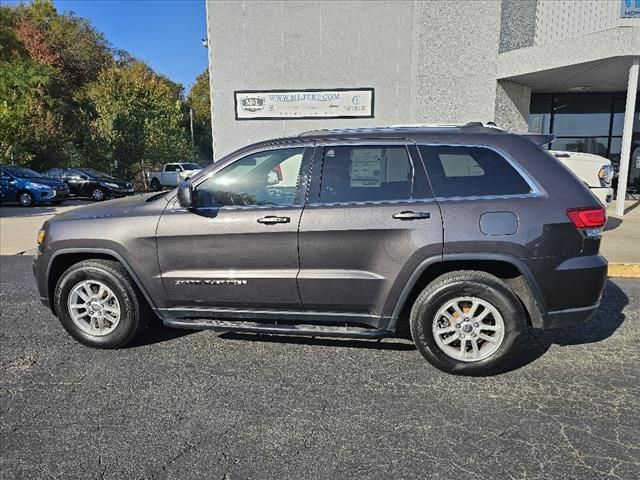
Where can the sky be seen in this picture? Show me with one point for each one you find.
(167, 34)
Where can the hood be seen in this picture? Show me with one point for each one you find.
(590, 158)
(111, 208)
(49, 182)
(117, 181)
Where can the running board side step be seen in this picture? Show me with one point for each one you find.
(277, 328)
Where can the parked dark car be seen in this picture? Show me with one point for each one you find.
(28, 188)
(464, 236)
(86, 182)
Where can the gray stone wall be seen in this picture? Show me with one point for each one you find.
(314, 44)
(455, 51)
(517, 24)
(428, 61)
(512, 106)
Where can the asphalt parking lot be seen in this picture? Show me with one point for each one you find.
(185, 404)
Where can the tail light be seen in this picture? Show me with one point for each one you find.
(590, 217)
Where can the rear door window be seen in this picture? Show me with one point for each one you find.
(369, 173)
(471, 171)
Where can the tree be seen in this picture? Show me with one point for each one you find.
(139, 119)
(68, 98)
(199, 99)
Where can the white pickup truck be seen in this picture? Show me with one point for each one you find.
(172, 174)
(595, 171)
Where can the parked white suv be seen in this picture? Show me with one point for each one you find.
(595, 171)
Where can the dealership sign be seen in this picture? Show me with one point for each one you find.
(630, 9)
(285, 104)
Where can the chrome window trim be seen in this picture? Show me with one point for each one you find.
(536, 191)
(371, 203)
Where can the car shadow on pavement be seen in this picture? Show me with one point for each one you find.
(601, 326)
(382, 344)
(612, 224)
(157, 332)
(21, 212)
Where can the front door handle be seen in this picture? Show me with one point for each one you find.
(408, 215)
(271, 219)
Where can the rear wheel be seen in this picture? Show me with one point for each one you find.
(26, 199)
(468, 323)
(98, 305)
(155, 185)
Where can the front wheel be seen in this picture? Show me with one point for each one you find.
(98, 194)
(97, 304)
(26, 199)
(468, 323)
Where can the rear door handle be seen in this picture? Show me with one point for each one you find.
(408, 215)
(271, 219)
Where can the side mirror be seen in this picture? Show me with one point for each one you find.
(186, 195)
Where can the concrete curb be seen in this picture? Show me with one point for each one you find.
(624, 270)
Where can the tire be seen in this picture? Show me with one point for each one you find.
(155, 185)
(98, 194)
(439, 337)
(133, 315)
(25, 199)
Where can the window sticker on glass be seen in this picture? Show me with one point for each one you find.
(367, 167)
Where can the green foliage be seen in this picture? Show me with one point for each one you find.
(139, 121)
(68, 98)
(199, 99)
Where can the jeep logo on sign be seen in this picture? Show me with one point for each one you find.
(252, 104)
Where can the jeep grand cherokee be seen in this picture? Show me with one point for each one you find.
(465, 235)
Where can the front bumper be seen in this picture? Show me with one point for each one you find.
(120, 192)
(604, 194)
(44, 195)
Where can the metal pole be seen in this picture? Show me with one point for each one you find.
(193, 142)
(627, 131)
(209, 56)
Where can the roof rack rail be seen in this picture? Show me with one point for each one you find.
(402, 126)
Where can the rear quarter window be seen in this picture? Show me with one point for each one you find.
(471, 171)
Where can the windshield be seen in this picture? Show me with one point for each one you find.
(191, 166)
(94, 173)
(23, 172)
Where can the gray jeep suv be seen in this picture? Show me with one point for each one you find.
(462, 235)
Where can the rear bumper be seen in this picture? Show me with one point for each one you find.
(568, 317)
(571, 288)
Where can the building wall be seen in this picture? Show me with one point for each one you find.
(558, 20)
(429, 61)
(517, 24)
(512, 105)
(455, 51)
(299, 45)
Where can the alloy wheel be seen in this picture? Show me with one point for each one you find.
(468, 329)
(94, 308)
(25, 199)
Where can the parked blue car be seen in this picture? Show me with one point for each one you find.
(23, 185)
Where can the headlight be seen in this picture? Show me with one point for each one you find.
(111, 185)
(605, 174)
(38, 185)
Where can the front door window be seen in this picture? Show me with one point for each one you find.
(260, 179)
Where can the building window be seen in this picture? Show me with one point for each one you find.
(585, 122)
